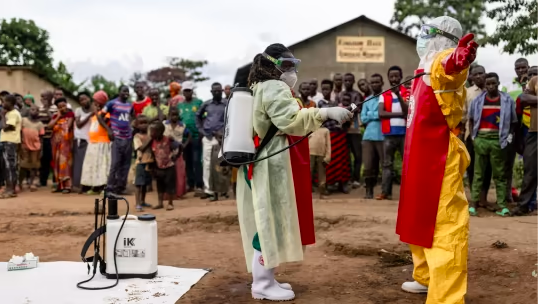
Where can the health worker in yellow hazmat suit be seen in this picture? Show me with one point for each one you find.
(433, 216)
(275, 221)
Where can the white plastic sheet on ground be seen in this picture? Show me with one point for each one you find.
(55, 283)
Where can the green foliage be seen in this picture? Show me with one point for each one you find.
(136, 77)
(409, 15)
(191, 68)
(99, 82)
(22, 42)
(178, 69)
(65, 79)
(517, 26)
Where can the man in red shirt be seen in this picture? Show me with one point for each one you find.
(142, 100)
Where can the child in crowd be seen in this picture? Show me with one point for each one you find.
(144, 158)
(32, 131)
(320, 156)
(165, 150)
(219, 177)
(98, 154)
(176, 129)
(338, 172)
(10, 137)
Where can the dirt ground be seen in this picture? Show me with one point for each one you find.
(343, 267)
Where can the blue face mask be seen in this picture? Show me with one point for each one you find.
(421, 46)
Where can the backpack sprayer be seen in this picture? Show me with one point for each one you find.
(131, 244)
(238, 146)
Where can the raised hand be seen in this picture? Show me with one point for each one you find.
(462, 56)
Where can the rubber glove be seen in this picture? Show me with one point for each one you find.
(462, 56)
(341, 115)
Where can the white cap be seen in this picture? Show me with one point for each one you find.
(187, 85)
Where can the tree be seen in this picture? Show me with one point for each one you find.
(190, 68)
(22, 42)
(409, 15)
(517, 26)
(136, 77)
(64, 78)
(165, 75)
(99, 82)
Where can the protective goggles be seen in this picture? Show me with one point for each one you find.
(429, 31)
(285, 64)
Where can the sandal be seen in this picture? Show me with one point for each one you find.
(158, 207)
(91, 192)
(33, 188)
(66, 191)
(503, 212)
(472, 211)
(7, 195)
(139, 208)
(169, 207)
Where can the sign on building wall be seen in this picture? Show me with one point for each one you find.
(360, 49)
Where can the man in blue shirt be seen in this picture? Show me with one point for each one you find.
(209, 120)
(122, 148)
(372, 140)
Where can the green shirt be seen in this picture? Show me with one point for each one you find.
(151, 111)
(187, 111)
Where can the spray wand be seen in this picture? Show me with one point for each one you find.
(353, 108)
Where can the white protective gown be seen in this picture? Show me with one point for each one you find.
(270, 208)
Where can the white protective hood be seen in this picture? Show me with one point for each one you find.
(439, 43)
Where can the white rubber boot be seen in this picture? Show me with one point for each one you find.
(414, 287)
(284, 285)
(264, 285)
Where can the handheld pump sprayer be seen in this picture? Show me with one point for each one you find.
(233, 149)
(96, 237)
(137, 253)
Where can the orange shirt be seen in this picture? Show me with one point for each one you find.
(31, 131)
(97, 133)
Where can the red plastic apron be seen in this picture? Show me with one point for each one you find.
(423, 168)
(300, 167)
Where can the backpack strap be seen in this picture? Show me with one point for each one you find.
(266, 139)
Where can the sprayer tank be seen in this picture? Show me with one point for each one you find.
(238, 143)
(136, 249)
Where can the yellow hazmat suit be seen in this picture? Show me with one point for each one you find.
(440, 269)
(270, 209)
(443, 267)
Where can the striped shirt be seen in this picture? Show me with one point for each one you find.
(120, 118)
(397, 124)
(45, 115)
(491, 116)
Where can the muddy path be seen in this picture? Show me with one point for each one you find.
(345, 266)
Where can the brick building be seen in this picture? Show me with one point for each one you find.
(360, 46)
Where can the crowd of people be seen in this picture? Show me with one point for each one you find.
(499, 122)
(175, 141)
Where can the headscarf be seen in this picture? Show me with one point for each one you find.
(28, 96)
(100, 97)
(175, 88)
